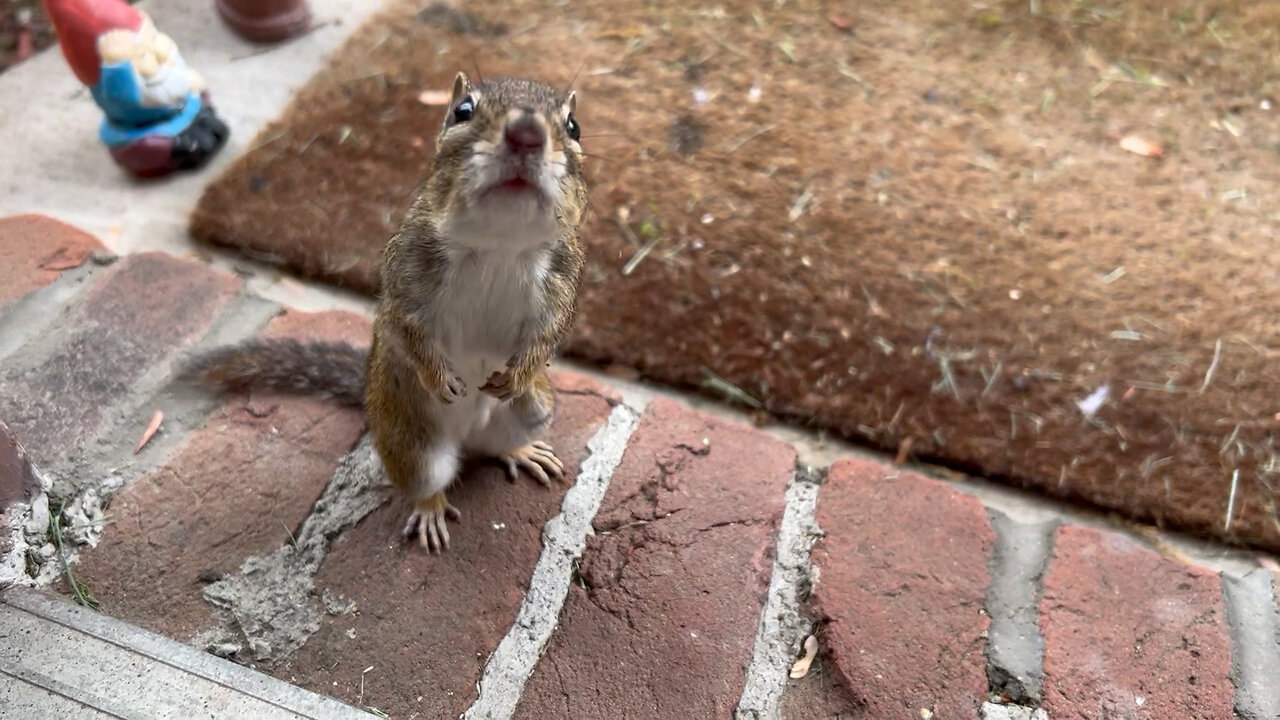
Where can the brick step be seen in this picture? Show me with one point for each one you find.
(59, 390)
(258, 527)
(903, 598)
(237, 486)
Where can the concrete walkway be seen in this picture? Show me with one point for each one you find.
(63, 661)
(677, 576)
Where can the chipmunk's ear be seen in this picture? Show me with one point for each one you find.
(571, 101)
(461, 86)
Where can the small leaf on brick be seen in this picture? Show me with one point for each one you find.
(152, 427)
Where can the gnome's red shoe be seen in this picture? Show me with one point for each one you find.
(266, 21)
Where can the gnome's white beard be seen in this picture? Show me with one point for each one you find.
(162, 74)
(169, 86)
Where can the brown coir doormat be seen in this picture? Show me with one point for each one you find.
(940, 228)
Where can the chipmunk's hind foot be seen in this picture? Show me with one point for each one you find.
(538, 459)
(429, 523)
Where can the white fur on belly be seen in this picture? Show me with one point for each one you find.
(490, 296)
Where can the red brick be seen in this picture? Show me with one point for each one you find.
(332, 326)
(17, 483)
(1129, 633)
(35, 249)
(662, 619)
(901, 585)
(237, 487)
(426, 624)
(138, 314)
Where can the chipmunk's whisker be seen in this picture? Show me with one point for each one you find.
(576, 73)
(598, 156)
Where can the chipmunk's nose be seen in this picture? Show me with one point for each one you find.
(524, 133)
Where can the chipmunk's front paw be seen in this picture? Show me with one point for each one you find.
(454, 388)
(446, 388)
(503, 385)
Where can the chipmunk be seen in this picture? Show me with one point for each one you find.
(478, 288)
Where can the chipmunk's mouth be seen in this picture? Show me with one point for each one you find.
(515, 182)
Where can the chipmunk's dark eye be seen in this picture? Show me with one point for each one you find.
(465, 110)
(571, 127)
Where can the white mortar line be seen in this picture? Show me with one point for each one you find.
(1016, 567)
(996, 711)
(783, 623)
(1254, 622)
(563, 539)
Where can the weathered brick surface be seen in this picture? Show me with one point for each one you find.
(426, 624)
(822, 694)
(17, 480)
(1129, 633)
(35, 249)
(17, 483)
(662, 619)
(902, 581)
(238, 486)
(142, 310)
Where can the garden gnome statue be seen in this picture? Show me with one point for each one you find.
(157, 113)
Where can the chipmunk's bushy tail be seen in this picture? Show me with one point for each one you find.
(326, 369)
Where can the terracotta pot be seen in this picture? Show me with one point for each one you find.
(266, 21)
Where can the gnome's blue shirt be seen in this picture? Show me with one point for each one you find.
(127, 120)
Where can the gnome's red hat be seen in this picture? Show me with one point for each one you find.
(80, 22)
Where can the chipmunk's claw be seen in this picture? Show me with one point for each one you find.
(429, 523)
(450, 388)
(453, 389)
(538, 459)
